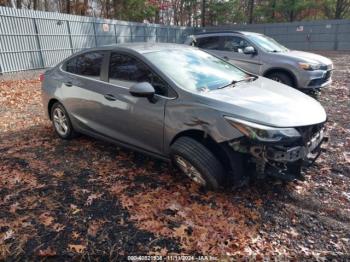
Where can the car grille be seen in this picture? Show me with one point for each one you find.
(307, 132)
(320, 81)
(326, 67)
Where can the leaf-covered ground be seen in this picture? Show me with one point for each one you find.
(87, 199)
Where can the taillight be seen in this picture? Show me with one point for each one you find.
(42, 77)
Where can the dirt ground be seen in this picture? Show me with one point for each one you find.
(87, 199)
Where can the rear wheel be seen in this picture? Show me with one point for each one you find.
(197, 162)
(61, 122)
(281, 77)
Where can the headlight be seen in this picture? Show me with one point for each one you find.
(309, 66)
(263, 133)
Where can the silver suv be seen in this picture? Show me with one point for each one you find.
(175, 102)
(262, 55)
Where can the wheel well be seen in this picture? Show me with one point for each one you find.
(51, 103)
(208, 142)
(282, 70)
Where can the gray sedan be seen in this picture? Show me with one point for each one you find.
(178, 103)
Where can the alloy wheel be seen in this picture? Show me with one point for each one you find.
(60, 121)
(189, 170)
(277, 79)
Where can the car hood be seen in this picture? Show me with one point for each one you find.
(307, 57)
(266, 102)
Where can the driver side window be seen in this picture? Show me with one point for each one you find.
(125, 71)
(234, 43)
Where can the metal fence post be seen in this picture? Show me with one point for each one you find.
(70, 37)
(167, 34)
(336, 37)
(131, 34)
(38, 42)
(115, 33)
(1, 64)
(93, 25)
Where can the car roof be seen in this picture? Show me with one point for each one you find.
(141, 47)
(225, 32)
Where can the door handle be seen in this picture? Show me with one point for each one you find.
(68, 83)
(110, 97)
(225, 57)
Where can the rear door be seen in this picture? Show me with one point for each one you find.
(82, 89)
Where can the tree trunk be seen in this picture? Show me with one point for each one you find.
(203, 13)
(291, 16)
(273, 13)
(46, 5)
(35, 4)
(68, 6)
(251, 11)
(18, 4)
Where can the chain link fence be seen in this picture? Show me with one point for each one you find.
(33, 39)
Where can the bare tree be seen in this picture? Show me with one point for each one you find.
(250, 11)
(342, 7)
(203, 13)
(68, 9)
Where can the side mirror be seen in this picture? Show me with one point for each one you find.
(143, 89)
(249, 50)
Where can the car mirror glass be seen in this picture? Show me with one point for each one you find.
(249, 50)
(142, 89)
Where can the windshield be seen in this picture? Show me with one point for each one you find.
(267, 43)
(195, 70)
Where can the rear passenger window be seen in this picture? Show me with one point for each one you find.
(88, 64)
(212, 42)
(126, 71)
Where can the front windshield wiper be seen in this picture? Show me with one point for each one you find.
(249, 78)
(275, 51)
(246, 79)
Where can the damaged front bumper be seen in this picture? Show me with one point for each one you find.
(307, 153)
(282, 160)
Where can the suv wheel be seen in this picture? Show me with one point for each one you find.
(197, 162)
(281, 78)
(61, 122)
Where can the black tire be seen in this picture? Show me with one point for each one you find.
(70, 133)
(201, 158)
(281, 77)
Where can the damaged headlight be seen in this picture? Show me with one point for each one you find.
(263, 133)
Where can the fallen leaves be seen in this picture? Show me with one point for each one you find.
(86, 197)
(91, 198)
(77, 248)
(48, 252)
(46, 219)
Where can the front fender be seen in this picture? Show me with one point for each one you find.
(180, 117)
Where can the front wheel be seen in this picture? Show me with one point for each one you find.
(197, 162)
(281, 78)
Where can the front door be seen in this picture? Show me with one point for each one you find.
(232, 48)
(137, 121)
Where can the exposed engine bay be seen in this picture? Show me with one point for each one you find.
(283, 159)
